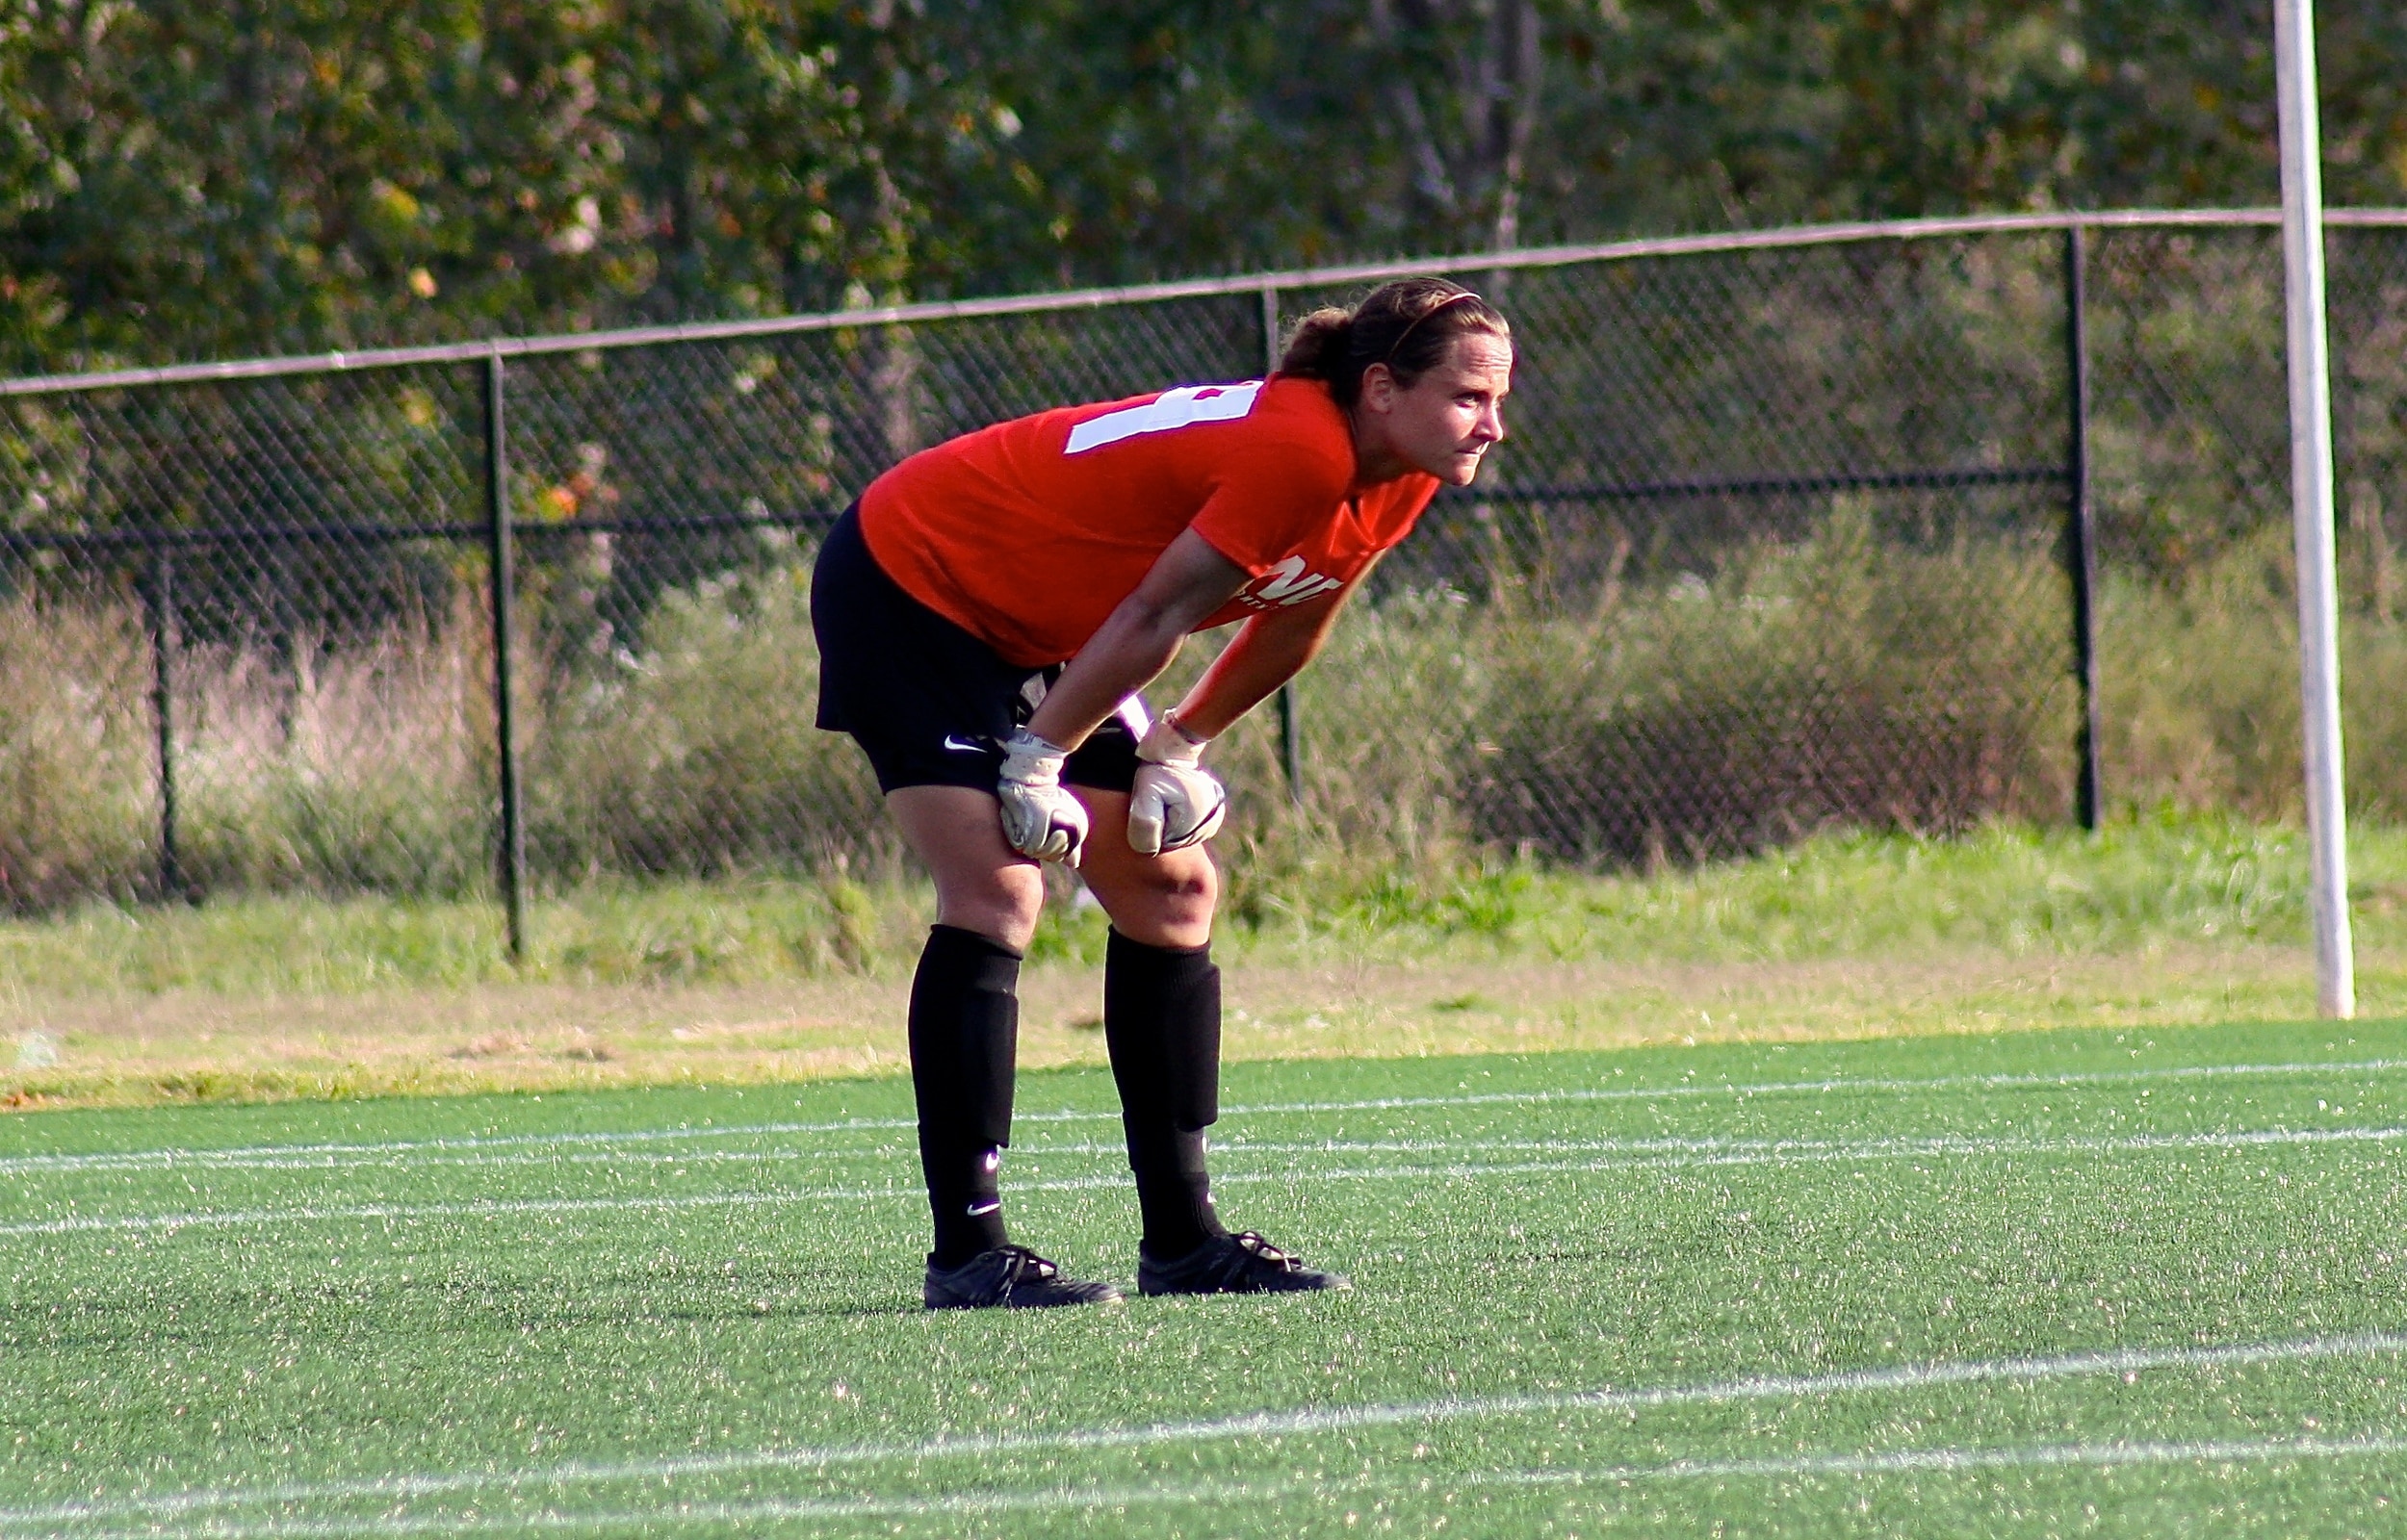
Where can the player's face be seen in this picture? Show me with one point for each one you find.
(1454, 413)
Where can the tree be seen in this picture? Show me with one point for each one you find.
(1464, 82)
(282, 175)
(184, 180)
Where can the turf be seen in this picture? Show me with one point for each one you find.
(2042, 1284)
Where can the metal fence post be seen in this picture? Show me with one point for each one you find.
(165, 639)
(1290, 737)
(513, 838)
(2081, 533)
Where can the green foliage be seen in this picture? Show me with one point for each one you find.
(181, 180)
(279, 175)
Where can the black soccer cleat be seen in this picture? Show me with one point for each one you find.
(1234, 1264)
(1010, 1278)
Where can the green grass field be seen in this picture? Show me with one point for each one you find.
(2045, 1283)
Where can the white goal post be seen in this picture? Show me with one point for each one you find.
(2310, 503)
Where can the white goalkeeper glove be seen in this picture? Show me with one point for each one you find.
(1041, 818)
(1175, 802)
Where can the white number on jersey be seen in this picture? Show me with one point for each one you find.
(1188, 404)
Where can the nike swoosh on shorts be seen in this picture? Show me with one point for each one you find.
(959, 747)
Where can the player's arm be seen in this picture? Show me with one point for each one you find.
(1176, 802)
(1188, 584)
(1266, 652)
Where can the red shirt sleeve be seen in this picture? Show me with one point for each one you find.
(1269, 501)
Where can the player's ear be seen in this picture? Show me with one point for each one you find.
(1379, 388)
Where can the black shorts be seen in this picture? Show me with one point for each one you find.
(927, 701)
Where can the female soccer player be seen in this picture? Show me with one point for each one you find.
(986, 616)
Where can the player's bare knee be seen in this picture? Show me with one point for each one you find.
(1178, 877)
(1189, 881)
(1172, 902)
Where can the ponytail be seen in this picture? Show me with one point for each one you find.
(1317, 348)
(1409, 325)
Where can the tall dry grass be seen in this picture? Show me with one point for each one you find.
(365, 767)
(1838, 682)
(78, 788)
(698, 756)
(2199, 684)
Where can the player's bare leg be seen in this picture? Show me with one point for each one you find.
(1161, 1021)
(982, 884)
(965, 1030)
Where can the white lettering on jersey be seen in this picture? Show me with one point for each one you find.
(1285, 585)
(1188, 404)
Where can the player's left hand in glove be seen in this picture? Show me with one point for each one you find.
(1175, 802)
(1041, 818)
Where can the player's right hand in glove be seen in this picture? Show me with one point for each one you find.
(1041, 818)
(1175, 802)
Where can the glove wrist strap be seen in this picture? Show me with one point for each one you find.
(1170, 744)
(1032, 760)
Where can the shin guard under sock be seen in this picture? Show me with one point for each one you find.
(1161, 1022)
(964, 1032)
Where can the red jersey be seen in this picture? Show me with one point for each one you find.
(1030, 533)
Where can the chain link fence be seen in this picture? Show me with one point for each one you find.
(1790, 533)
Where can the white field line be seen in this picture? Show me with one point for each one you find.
(1710, 1146)
(2108, 1455)
(2127, 1362)
(278, 1156)
(1642, 1155)
(1897, 1462)
(1703, 1145)
(786, 1155)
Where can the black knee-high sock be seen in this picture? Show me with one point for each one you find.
(964, 1034)
(1161, 1022)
